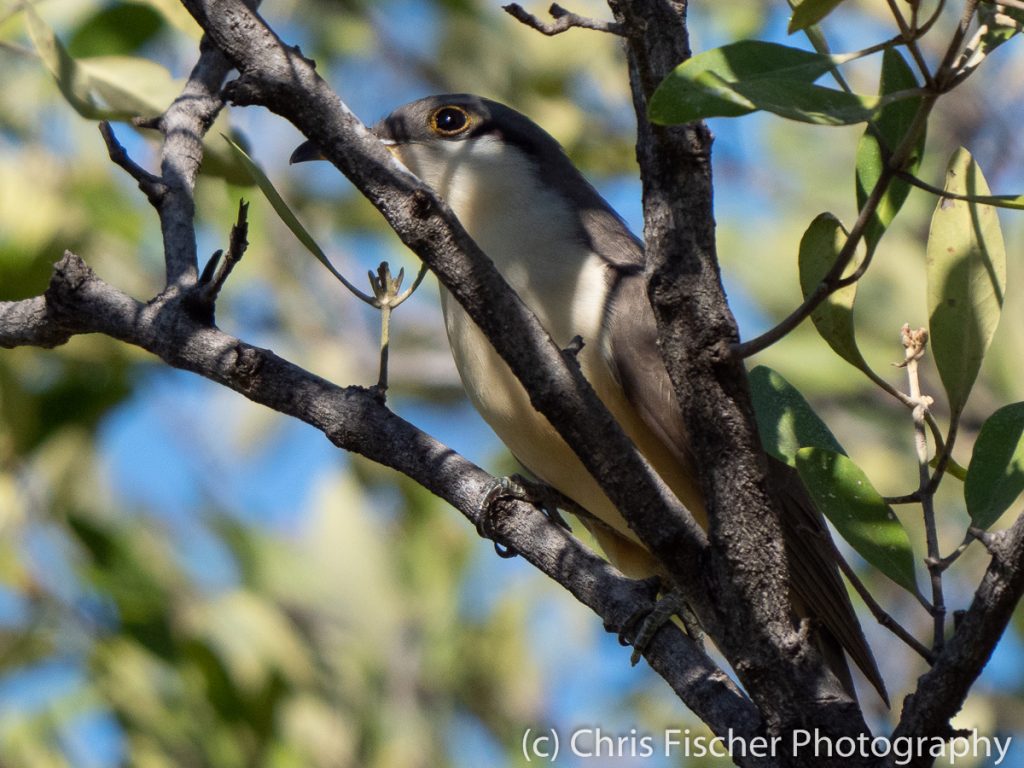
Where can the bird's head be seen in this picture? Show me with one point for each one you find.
(460, 143)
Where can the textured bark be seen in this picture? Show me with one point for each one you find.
(176, 328)
(740, 562)
(747, 570)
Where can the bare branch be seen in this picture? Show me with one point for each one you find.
(564, 20)
(880, 614)
(914, 344)
(355, 419)
(29, 322)
(237, 243)
(184, 124)
(150, 184)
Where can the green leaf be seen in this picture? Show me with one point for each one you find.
(808, 103)
(882, 136)
(785, 420)
(810, 12)
(62, 66)
(102, 88)
(833, 318)
(176, 15)
(995, 476)
(119, 29)
(128, 85)
(844, 494)
(687, 94)
(289, 218)
(796, 100)
(966, 265)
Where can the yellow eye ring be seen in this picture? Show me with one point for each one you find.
(450, 121)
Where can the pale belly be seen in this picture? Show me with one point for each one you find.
(505, 406)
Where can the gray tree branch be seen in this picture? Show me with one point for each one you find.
(942, 690)
(747, 567)
(355, 419)
(183, 125)
(178, 326)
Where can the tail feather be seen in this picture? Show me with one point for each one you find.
(816, 583)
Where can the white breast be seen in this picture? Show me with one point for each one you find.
(528, 231)
(531, 235)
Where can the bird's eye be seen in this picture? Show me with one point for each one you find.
(449, 121)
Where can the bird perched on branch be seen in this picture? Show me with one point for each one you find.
(574, 262)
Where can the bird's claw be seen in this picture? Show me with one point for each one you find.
(644, 623)
(501, 488)
(517, 487)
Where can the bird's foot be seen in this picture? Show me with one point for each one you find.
(641, 627)
(542, 496)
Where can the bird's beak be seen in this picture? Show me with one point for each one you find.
(305, 152)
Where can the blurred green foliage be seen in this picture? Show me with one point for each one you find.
(321, 639)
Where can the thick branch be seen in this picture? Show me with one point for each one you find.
(563, 21)
(29, 322)
(354, 419)
(184, 125)
(696, 331)
(279, 78)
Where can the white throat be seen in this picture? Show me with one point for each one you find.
(529, 230)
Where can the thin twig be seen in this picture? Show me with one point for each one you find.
(914, 344)
(880, 614)
(386, 298)
(833, 280)
(150, 184)
(909, 403)
(237, 243)
(923, 29)
(909, 36)
(564, 20)
(976, 51)
(947, 71)
(829, 283)
(952, 557)
(412, 288)
(907, 498)
(987, 538)
(385, 349)
(992, 200)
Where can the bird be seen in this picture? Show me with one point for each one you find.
(575, 263)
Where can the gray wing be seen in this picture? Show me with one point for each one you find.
(814, 576)
(635, 359)
(631, 345)
(630, 337)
